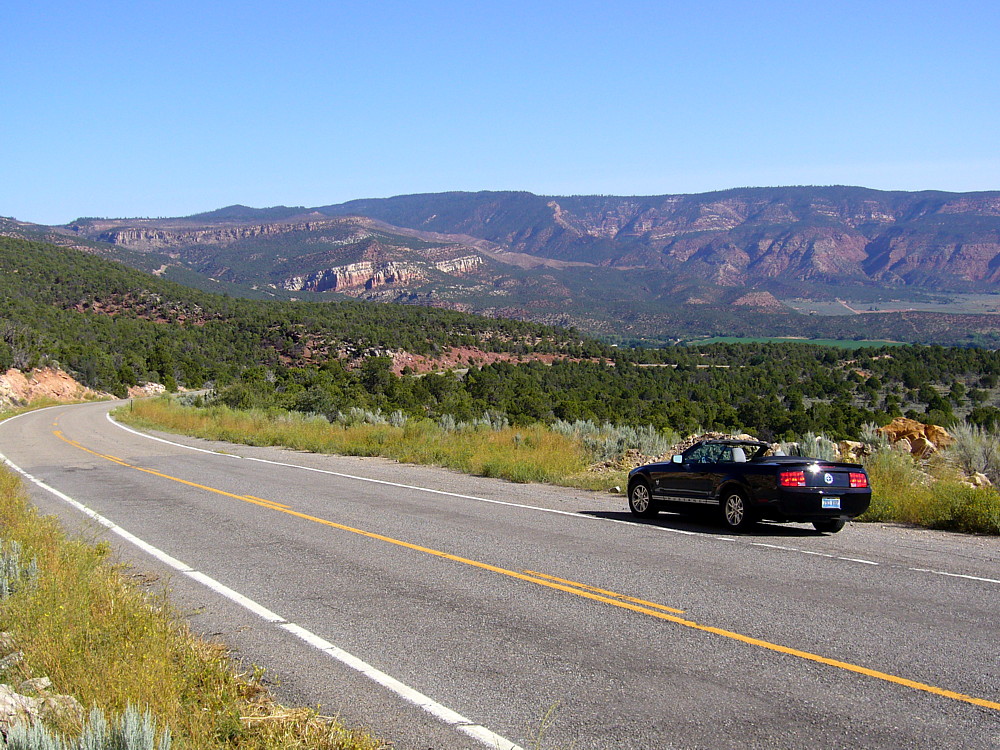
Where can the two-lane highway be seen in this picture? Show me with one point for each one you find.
(445, 611)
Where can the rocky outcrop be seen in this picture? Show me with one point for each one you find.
(149, 238)
(459, 266)
(355, 276)
(32, 702)
(369, 275)
(915, 437)
(759, 300)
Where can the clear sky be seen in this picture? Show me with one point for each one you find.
(167, 108)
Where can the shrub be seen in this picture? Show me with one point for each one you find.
(812, 445)
(608, 442)
(975, 450)
(15, 574)
(900, 491)
(132, 731)
(873, 438)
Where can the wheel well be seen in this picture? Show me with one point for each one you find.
(734, 485)
(638, 479)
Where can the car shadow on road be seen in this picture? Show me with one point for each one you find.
(707, 526)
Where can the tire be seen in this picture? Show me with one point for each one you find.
(640, 501)
(829, 525)
(735, 510)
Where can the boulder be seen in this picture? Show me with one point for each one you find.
(918, 438)
(850, 450)
(16, 709)
(903, 446)
(980, 480)
(921, 447)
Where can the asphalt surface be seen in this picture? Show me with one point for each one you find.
(488, 614)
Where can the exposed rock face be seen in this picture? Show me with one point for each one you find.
(458, 266)
(18, 389)
(368, 275)
(153, 238)
(364, 275)
(735, 237)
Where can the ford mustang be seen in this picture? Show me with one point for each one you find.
(743, 483)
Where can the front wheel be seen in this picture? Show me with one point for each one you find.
(736, 513)
(829, 525)
(640, 501)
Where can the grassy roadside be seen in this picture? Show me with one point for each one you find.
(902, 491)
(104, 638)
(522, 454)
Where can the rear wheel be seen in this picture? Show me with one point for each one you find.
(640, 501)
(736, 513)
(829, 525)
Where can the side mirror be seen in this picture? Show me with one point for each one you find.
(677, 459)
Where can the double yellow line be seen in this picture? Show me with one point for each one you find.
(560, 584)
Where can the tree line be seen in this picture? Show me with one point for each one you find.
(114, 327)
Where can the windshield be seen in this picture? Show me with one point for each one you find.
(715, 453)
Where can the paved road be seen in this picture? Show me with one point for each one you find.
(480, 607)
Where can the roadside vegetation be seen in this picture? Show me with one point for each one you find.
(323, 378)
(488, 446)
(933, 493)
(112, 641)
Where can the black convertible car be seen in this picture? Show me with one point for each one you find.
(740, 481)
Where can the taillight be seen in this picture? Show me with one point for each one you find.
(859, 479)
(792, 478)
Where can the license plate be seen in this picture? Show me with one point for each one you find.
(831, 502)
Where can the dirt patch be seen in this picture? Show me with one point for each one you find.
(461, 357)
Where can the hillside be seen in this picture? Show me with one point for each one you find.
(628, 269)
(114, 327)
(736, 237)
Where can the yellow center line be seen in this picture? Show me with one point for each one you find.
(581, 590)
(268, 503)
(615, 594)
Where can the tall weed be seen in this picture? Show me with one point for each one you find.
(975, 450)
(608, 442)
(900, 491)
(812, 445)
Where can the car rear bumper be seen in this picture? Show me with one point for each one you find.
(814, 504)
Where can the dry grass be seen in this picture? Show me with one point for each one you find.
(518, 454)
(109, 643)
(903, 491)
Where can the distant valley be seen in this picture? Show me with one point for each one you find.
(631, 269)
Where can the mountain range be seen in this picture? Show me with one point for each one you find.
(642, 268)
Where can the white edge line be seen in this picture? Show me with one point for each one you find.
(471, 497)
(858, 560)
(955, 575)
(410, 695)
(571, 514)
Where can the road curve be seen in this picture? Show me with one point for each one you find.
(443, 611)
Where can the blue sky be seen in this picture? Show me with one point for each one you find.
(169, 108)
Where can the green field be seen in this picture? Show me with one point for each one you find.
(841, 343)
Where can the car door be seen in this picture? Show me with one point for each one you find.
(688, 481)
